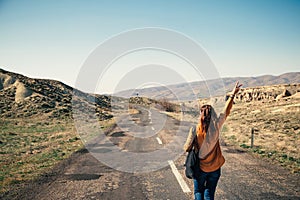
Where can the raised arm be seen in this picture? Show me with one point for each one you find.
(229, 103)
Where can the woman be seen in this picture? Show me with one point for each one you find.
(210, 154)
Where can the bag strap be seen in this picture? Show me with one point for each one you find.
(195, 137)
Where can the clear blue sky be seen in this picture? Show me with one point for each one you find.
(52, 39)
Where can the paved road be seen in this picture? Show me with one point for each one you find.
(84, 177)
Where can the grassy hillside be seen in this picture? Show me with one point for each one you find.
(37, 129)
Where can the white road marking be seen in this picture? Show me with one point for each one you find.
(159, 140)
(152, 128)
(149, 115)
(185, 188)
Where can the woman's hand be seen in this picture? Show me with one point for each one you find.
(229, 103)
(236, 88)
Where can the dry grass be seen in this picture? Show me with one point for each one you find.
(277, 125)
(31, 147)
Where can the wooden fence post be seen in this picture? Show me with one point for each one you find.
(252, 137)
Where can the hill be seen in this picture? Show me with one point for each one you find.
(192, 90)
(21, 97)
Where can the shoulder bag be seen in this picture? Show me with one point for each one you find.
(192, 160)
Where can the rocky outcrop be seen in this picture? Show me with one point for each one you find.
(267, 93)
(21, 92)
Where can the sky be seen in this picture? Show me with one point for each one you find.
(53, 39)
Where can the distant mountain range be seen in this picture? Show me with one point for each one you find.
(215, 87)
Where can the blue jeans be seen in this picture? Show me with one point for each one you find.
(205, 185)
